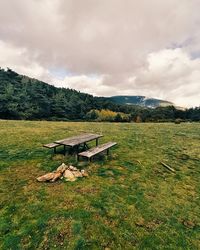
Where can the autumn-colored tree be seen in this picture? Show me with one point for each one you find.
(138, 119)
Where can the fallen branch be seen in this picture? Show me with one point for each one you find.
(139, 162)
(168, 167)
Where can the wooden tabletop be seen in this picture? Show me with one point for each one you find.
(77, 140)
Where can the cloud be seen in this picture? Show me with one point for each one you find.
(176, 74)
(18, 59)
(130, 46)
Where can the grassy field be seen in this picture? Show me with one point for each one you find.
(129, 201)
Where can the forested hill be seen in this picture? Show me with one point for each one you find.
(141, 101)
(22, 97)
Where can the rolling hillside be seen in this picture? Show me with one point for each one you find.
(25, 98)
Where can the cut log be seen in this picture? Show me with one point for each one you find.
(56, 176)
(68, 175)
(77, 174)
(62, 168)
(84, 173)
(46, 177)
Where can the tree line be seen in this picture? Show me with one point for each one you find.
(22, 97)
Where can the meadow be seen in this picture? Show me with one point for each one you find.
(129, 200)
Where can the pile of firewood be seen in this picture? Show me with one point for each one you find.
(70, 173)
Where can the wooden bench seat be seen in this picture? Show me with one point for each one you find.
(94, 151)
(52, 145)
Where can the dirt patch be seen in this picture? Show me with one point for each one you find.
(150, 225)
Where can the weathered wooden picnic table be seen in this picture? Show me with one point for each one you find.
(76, 141)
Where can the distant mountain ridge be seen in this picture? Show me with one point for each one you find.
(140, 101)
(22, 97)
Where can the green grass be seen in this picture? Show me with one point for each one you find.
(130, 201)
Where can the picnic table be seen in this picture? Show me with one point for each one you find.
(76, 141)
(81, 140)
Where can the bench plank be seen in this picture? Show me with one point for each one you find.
(51, 145)
(94, 151)
(77, 140)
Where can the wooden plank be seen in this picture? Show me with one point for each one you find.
(93, 151)
(51, 145)
(73, 138)
(84, 140)
(77, 140)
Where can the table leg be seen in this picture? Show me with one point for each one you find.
(97, 141)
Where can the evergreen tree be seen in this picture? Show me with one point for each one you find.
(22, 97)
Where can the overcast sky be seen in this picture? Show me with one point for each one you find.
(106, 47)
